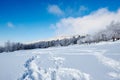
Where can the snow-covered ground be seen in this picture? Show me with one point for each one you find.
(99, 61)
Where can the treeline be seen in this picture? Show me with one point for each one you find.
(112, 32)
(10, 47)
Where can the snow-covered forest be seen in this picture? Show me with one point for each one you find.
(112, 32)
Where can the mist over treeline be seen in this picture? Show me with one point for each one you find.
(112, 32)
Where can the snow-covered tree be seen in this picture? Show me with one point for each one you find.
(1, 49)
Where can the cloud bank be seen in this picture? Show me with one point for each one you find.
(88, 24)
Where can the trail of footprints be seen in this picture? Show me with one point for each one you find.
(53, 72)
(36, 68)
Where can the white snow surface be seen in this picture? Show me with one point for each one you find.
(99, 61)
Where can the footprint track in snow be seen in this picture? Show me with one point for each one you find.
(48, 67)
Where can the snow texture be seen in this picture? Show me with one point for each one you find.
(99, 61)
(53, 72)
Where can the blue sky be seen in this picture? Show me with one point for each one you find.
(30, 20)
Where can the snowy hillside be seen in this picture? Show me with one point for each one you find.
(99, 61)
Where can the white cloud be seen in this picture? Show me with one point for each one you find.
(88, 24)
(54, 9)
(114, 75)
(9, 24)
